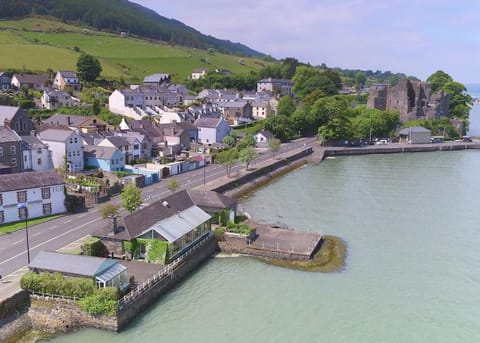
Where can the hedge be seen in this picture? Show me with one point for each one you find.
(94, 247)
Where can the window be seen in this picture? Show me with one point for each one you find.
(23, 213)
(47, 209)
(1, 199)
(39, 161)
(71, 141)
(13, 149)
(21, 196)
(76, 140)
(1, 152)
(2, 217)
(14, 162)
(136, 146)
(46, 193)
(69, 154)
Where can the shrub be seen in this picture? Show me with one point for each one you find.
(94, 247)
(157, 251)
(219, 233)
(102, 301)
(131, 247)
(57, 284)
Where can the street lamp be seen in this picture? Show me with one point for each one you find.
(19, 206)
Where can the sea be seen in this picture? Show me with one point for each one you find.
(411, 274)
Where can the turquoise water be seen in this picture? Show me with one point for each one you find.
(411, 274)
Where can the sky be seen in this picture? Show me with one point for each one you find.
(412, 37)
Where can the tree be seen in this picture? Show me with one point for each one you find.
(307, 79)
(338, 128)
(460, 101)
(131, 197)
(437, 80)
(228, 158)
(274, 145)
(286, 106)
(247, 155)
(375, 123)
(360, 79)
(109, 210)
(88, 68)
(247, 141)
(229, 140)
(173, 185)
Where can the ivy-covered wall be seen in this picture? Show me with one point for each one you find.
(155, 250)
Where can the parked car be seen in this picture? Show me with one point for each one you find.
(381, 142)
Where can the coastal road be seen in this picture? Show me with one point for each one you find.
(61, 231)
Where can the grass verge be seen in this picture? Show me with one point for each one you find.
(329, 258)
(11, 227)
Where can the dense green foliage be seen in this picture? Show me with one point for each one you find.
(109, 210)
(121, 15)
(240, 228)
(228, 158)
(439, 127)
(247, 155)
(131, 197)
(88, 68)
(101, 301)
(94, 247)
(220, 81)
(157, 250)
(173, 185)
(57, 284)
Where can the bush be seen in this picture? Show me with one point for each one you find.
(94, 247)
(220, 234)
(157, 251)
(102, 301)
(131, 247)
(241, 228)
(57, 284)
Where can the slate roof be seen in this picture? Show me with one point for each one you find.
(66, 120)
(55, 134)
(7, 112)
(211, 201)
(12, 182)
(31, 78)
(414, 129)
(99, 152)
(117, 141)
(32, 140)
(82, 265)
(68, 74)
(8, 135)
(156, 78)
(267, 134)
(210, 122)
(232, 104)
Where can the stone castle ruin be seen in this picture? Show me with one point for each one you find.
(412, 99)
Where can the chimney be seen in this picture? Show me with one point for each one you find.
(68, 120)
(112, 223)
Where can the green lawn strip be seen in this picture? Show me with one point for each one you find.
(329, 258)
(11, 227)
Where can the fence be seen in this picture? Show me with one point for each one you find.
(168, 272)
(55, 296)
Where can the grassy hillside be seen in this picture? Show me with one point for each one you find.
(38, 44)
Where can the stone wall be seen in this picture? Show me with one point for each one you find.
(19, 302)
(231, 247)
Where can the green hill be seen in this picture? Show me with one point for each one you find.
(122, 15)
(38, 44)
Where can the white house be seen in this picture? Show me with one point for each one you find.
(211, 130)
(261, 109)
(198, 73)
(281, 86)
(43, 194)
(66, 78)
(29, 81)
(263, 137)
(53, 99)
(66, 146)
(36, 155)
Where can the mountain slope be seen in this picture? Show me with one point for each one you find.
(122, 15)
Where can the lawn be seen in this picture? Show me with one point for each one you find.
(39, 44)
(11, 227)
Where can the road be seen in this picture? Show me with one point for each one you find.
(59, 232)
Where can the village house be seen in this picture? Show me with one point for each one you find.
(179, 134)
(10, 151)
(53, 99)
(66, 79)
(103, 271)
(263, 137)
(236, 112)
(211, 129)
(156, 79)
(276, 86)
(176, 220)
(106, 158)
(16, 119)
(5, 81)
(152, 131)
(36, 155)
(42, 193)
(141, 147)
(66, 147)
(261, 109)
(119, 143)
(84, 124)
(29, 81)
(415, 135)
(198, 73)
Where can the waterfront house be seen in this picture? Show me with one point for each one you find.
(16, 119)
(10, 151)
(415, 135)
(66, 79)
(42, 192)
(220, 207)
(106, 158)
(212, 129)
(263, 137)
(176, 220)
(103, 271)
(66, 147)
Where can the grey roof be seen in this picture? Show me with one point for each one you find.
(100, 152)
(232, 104)
(179, 224)
(211, 201)
(117, 141)
(8, 112)
(32, 78)
(66, 119)
(68, 73)
(267, 134)
(414, 129)
(32, 140)
(12, 182)
(207, 122)
(8, 135)
(156, 78)
(270, 80)
(56, 135)
(82, 265)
